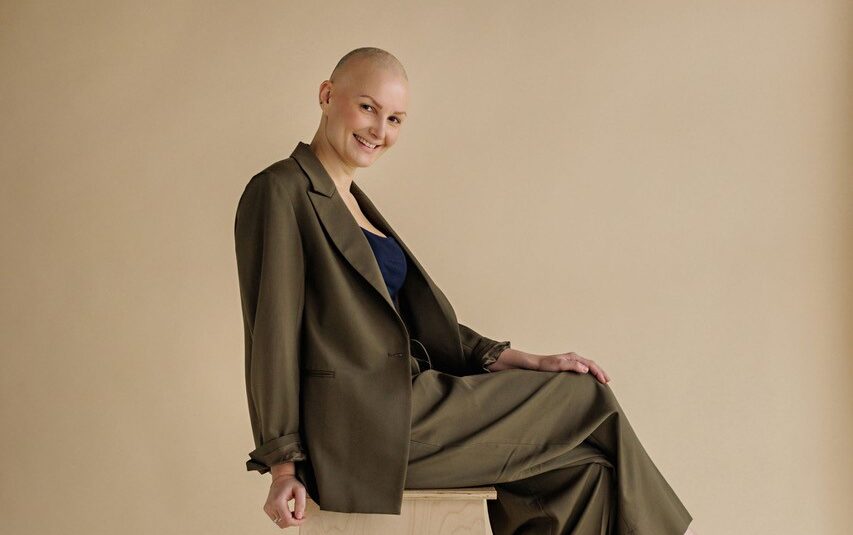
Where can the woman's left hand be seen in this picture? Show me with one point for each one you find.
(515, 358)
(569, 362)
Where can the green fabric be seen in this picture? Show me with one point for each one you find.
(328, 363)
(557, 446)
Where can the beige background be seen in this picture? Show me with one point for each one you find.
(663, 187)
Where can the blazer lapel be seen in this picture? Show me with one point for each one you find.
(339, 222)
(431, 318)
(420, 277)
(349, 239)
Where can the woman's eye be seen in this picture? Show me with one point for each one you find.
(369, 107)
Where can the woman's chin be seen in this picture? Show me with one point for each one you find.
(365, 160)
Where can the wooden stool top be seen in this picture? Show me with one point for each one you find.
(462, 493)
(461, 511)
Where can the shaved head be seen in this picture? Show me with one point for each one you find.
(364, 104)
(368, 58)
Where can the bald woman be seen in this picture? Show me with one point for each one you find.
(361, 382)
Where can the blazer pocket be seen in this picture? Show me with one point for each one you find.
(312, 372)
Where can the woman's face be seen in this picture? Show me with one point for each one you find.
(367, 106)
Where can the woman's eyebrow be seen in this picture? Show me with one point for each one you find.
(378, 105)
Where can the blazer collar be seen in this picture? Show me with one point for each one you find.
(349, 239)
(317, 174)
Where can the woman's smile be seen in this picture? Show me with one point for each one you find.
(364, 144)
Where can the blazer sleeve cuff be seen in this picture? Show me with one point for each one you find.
(491, 354)
(280, 450)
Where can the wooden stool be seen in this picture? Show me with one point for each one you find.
(459, 511)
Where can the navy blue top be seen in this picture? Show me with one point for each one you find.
(391, 260)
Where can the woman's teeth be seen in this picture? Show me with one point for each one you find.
(364, 142)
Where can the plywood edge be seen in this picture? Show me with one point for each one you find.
(463, 493)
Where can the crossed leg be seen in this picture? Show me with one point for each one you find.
(556, 445)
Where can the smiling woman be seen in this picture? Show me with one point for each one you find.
(362, 382)
(364, 104)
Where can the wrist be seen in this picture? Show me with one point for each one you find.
(511, 358)
(528, 361)
(283, 469)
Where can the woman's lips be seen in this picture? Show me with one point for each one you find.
(362, 145)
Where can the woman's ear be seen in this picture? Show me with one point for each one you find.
(325, 93)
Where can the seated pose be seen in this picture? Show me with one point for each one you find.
(361, 382)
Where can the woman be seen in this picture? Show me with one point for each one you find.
(361, 382)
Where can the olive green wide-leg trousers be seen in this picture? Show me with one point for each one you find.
(556, 446)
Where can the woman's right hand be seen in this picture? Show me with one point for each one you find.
(282, 489)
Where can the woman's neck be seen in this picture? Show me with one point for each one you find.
(340, 174)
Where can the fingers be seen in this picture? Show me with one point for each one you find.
(599, 373)
(279, 511)
(299, 509)
(274, 514)
(584, 365)
(573, 362)
(280, 516)
(285, 518)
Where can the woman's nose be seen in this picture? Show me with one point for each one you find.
(378, 131)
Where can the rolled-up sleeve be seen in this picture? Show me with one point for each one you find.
(479, 350)
(271, 273)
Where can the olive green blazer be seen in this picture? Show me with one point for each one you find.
(327, 352)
